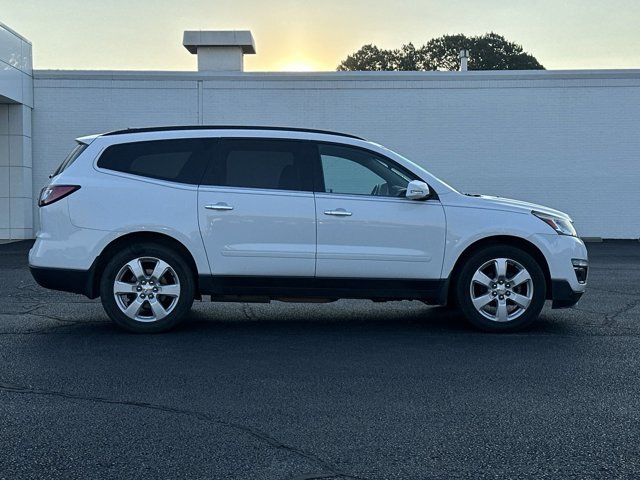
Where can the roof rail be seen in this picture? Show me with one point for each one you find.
(226, 127)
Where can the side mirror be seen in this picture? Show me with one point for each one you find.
(417, 190)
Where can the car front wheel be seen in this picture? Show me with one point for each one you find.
(501, 288)
(147, 288)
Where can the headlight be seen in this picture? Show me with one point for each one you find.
(560, 225)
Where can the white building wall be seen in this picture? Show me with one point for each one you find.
(16, 100)
(568, 140)
(67, 109)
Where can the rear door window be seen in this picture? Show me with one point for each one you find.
(270, 164)
(180, 160)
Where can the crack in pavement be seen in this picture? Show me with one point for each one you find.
(67, 323)
(52, 330)
(30, 311)
(248, 311)
(315, 476)
(51, 317)
(49, 329)
(330, 470)
(599, 289)
(27, 308)
(611, 318)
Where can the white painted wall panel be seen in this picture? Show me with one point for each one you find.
(576, 149)
(67, 110)
(568, 140)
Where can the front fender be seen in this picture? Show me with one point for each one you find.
(467, 226)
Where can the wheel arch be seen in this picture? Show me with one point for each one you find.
(136, 237)
(517, 242)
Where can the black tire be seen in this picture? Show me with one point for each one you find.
(179, 267)
(464, 286)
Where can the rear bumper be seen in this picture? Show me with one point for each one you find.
(562, 295)
(64, 279)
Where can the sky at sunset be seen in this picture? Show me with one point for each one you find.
(316, 35)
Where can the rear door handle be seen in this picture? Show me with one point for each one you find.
(338, 212)
(219, 206)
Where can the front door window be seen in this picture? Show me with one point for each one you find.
(360, 172)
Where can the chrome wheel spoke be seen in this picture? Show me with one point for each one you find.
(482, 279)
(136, 268)
(158, 310)
(502, 314)
(519, 278)
(170, 290)
(482, 301)
(520, 300)
(123, 287)
(159, 270)
(134, 307)
(501, 267)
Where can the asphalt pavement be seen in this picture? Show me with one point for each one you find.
(352, 389)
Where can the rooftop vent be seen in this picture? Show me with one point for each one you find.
(219, 51)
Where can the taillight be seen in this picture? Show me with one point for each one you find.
(53, 193)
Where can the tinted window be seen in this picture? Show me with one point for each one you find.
(180, 160)
(263, 163)
(356, 171)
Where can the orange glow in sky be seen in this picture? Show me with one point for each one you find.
(302, 35)
(299, 65)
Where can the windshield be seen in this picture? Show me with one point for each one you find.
(75, 153)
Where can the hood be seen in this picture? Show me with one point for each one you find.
(500, 203)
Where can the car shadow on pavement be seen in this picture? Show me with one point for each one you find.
(278, 318)
(368, 317)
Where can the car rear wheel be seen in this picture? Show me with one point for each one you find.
(147, 288)
(501, 289)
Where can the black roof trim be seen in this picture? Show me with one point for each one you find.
(226, 127)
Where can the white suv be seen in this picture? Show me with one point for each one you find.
(150, 219)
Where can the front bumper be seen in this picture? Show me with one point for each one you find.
(564, 255)
(562, 295)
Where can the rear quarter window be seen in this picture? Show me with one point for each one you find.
(178, 160)
(69, 159)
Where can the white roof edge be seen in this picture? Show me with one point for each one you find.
(12, 31)
(222, 131)
(342, 76)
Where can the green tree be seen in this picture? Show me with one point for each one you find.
(368, 57)
(487, 52)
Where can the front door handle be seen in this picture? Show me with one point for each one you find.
(338, 212)
(219, 206)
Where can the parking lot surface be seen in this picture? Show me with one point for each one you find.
(353, 389)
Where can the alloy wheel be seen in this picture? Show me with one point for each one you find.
(146, 289)
(501, 290)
